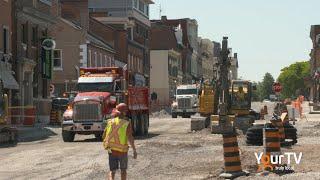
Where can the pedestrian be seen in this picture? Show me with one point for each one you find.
(115, 140)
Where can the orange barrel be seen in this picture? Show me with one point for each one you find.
(53, 116)
(262, 113)
(231, 154)
(278, 124)
(271, 143)
(265, 109)
(29, 116)
(15, 115)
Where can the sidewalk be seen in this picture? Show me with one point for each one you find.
(36, 132)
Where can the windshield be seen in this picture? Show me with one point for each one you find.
(187, 91)
(95, 87)
(240, 97)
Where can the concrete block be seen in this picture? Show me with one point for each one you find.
(197, 123)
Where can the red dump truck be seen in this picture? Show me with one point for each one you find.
(100, 89)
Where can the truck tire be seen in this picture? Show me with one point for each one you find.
(174, 115)
(134, 124)
(255, 135)
(98, 136)
(146, 124)
(68, 136)
(291, 133)
(140, 125)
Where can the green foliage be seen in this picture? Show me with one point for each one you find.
(292, 79)
(266, 86)
(256, 95)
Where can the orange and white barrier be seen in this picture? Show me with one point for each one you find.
(22, 115)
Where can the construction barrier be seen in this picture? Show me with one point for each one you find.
(55, 117)
(271, 144)
(231, 154)
(22, 115)
(279, 124)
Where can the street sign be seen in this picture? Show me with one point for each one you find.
(276, 87)
(47, 63)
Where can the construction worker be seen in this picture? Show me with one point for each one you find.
(115, 140)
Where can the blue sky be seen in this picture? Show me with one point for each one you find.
(268, 35)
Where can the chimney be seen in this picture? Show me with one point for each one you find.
(76, 11)
(235, 55)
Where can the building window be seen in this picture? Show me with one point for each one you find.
(34, 36)
(57, 59)
(135, 3)
(105, 61)
(47, 2)
(141, 6)
(5, 40)
(24, 33)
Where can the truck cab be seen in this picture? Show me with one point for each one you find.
(93, 104)
(241, 95)
(186, 101)
(99, 91)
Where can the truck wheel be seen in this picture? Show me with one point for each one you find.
(140, 125)
(146, 124)
(98, 137)
(134, 125)
(68, 136)
(174, 115)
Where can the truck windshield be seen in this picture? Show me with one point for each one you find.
(98, 87)
(186, 91)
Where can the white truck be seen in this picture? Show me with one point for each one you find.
(186, 101)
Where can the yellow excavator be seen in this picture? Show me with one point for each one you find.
(241, 95)
(7, 133)
(240, 101)
(206, 101)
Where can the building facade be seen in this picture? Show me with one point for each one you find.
(207, 60)
(315, 63)
(189, 31)
(81, 41)
(131, 16)
(7, 50)
(34, 18)
(165, 62)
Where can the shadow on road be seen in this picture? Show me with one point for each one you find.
(149, 136)
(29, 134)
(88, 140)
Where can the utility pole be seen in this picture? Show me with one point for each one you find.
(231, 152)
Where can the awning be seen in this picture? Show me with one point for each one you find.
(7, 78)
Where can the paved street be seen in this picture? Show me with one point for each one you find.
(170, 152)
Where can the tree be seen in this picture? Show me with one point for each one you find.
(266, 86)
(292, 79)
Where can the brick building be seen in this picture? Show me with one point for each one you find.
(207, 60)
(189, 28)
(6, 46)
(81, 42)
(165, 62)
(315, 63)
(33, 19)
(132, 17)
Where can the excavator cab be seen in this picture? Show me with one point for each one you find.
(241, 93)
